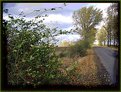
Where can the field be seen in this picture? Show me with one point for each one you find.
(86, 71)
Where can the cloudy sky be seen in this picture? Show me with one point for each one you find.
(61, 18)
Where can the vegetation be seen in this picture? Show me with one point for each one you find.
(34, 59)
(102, 36)
(31, 55)
(66, 44)
(110, 27)
(112, 24)
(79, 49)
(85, 20)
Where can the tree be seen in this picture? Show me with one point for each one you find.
(85, 20)
(112, 24)
(92, 35)
(101, 36)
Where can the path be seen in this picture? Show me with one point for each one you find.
(107, 58)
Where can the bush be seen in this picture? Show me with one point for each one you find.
(79, 48)
(31, 57)
(34, 64)
(64, 54)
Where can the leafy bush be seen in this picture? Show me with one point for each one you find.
(31, 56)
(64, 54)
(79, 48)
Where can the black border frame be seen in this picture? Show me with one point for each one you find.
(6, 87)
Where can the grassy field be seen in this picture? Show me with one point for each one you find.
(86, 71)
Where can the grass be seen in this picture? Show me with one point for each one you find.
(84, 70)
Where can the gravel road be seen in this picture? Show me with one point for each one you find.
(107, 57)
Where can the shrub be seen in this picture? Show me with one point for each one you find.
(64, 54)
(31, 62)
(31, 56)
(79, 48)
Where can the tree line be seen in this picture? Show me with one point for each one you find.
(109, 33)
(87, 18)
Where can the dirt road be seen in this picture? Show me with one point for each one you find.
(107, 58)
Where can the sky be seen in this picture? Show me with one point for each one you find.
(61, 18)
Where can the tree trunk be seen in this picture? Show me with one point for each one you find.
(114, 42)
(108, 40)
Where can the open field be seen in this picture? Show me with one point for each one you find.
(86, 71)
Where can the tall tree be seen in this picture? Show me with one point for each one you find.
(101, 36)
(112, 22)
(92, 35)
(86, 19)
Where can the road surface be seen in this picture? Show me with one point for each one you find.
(107, 57)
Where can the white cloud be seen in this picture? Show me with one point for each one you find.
(55, 19)
(30, 7)
(68, 37)
(59, 18)
(28, 4)
(23, 9)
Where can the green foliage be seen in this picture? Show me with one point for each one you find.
(65, 44)
(112, 24)
(62, 54)
(31, 55)
(80, 48)
(92, 35)
(85, 20)
(72, 75)
(101, 35)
